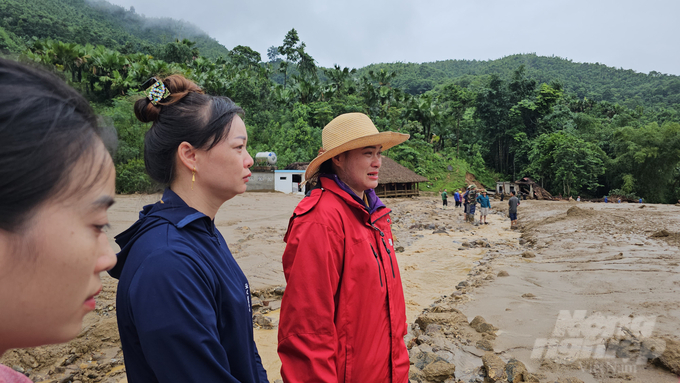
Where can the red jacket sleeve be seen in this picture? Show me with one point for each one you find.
(312, 264)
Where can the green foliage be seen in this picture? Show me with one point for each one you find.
(650, 155)
(131, 177)
(98, 22)
(577, 128)
(567, 164)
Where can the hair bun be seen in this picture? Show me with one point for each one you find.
(145, 111)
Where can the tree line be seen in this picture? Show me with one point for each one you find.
(496, 126)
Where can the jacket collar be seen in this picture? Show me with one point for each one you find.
(334, 184)
(173, 209)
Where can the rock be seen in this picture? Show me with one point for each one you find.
(528, 254)
(414, 354)
(399, 249)
(279, 290)
(484, 344)
(482, 326)
(443, 318)
(660, 234)
(515, 370)
(670, 359)
(503, 273)
(465, 244)
(431, 227)
(433, 328)
(256, 303)
(262, 321)
(494, 367)
(439, 371)
(569, 380)
(424, 339)
(440, 231)
(528, 295)
(462, 285)
(424, 359)
(415, 375)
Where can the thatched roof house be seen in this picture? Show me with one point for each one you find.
(397, 180)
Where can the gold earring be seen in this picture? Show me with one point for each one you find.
(193, 178)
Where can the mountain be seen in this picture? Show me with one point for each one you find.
(95, 22)
(586, 80)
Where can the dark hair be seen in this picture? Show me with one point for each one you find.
(512, 192)
(46, 127)
(186, 115)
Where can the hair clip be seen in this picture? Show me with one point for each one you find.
(157, 91)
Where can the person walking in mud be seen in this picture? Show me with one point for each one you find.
(513, 203)
(472, 203)
(343, 316)
(444, 199)
(57, 182)
(183, 303)
(456, 198)
(484, 205)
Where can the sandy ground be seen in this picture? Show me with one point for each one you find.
(598, 258)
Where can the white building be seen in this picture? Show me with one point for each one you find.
(289, 181)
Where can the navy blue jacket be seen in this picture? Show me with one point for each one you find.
(183, 303)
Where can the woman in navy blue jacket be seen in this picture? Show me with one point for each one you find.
(184, 312)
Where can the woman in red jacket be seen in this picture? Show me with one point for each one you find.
(343, 317)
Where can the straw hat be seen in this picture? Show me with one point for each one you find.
(351, 131)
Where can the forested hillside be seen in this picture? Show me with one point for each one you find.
(95, 22)
(597, 81)
(578, 129)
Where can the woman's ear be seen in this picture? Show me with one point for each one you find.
(186, 153)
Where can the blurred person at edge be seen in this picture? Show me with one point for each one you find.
(343, 317)
(183, 303)
(57, 181)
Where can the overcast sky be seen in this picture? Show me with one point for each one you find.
(639, 35)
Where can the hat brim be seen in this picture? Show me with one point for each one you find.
(386, 139)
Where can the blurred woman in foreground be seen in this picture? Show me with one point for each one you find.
(57, 181)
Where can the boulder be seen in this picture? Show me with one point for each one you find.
(515, 370)
(482, 326)
(670, 359)
(494, 367)
(439, 371)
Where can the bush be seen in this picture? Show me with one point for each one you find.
(131, 177)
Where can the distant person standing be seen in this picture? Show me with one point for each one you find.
(456, 198)
(640, 200)
(606, 199)
(484, 205)
(463, 198)
(471, 203)
(513, 202)
(578, 199)
(444, 199)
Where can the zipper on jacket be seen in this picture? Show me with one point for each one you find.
(377, 260)
(389, 254)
